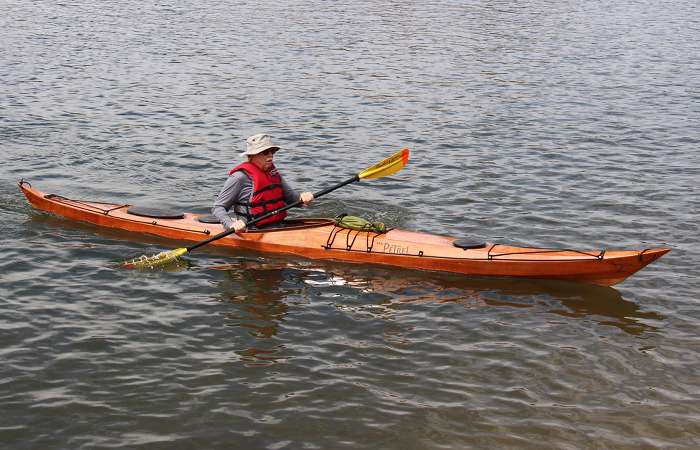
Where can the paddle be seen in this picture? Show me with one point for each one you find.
(384, 168)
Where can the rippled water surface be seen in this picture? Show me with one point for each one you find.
(566, 124)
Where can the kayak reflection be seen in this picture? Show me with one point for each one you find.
(258, 293)
(387, 289)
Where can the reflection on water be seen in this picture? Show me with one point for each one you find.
(258, 292)
(602, 303)
(257, 287)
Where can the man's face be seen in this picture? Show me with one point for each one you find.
(264, 159)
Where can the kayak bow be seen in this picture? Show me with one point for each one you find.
(322, 239)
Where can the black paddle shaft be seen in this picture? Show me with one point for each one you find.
(273, 212)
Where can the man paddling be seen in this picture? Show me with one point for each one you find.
(255, 187)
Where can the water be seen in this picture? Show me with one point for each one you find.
(568, 124)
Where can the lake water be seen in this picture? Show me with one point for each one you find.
(559, 124)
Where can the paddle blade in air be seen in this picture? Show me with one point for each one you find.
(389, 166)
(149, 262)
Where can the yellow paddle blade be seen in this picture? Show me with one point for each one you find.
(161, 259)
(389, 166)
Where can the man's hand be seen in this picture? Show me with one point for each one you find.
(306, 197)
(238, 225)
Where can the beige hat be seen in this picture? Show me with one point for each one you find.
(258, 143)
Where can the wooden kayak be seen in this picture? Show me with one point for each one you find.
(322, 239)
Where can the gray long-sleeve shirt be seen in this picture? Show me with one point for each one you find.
(238, 188)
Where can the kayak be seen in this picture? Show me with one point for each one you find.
(323, 239)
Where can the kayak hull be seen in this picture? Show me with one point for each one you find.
(321, 239)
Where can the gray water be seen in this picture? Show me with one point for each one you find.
(565, 124)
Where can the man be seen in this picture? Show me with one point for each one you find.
(254, 188)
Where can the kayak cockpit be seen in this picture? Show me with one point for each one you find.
(293, 224)
(285, 225)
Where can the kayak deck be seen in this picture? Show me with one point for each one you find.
(321, 239)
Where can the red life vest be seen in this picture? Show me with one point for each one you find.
(267, 193)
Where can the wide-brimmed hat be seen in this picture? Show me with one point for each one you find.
(258, 143)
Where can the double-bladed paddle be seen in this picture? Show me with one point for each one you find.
(387, 167)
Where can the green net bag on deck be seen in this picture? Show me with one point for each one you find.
(359, 224)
